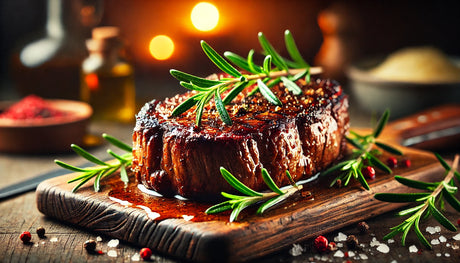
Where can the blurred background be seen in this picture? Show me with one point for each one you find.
(328, 33)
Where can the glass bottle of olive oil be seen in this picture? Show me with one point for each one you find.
(107, 78)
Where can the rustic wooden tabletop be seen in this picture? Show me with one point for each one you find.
(64, 242)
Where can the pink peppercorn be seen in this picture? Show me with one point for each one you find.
(369, 172)
(321, 244)
(25, 237)
(146, 253)
(392, 162)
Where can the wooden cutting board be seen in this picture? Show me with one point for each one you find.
(181, 229)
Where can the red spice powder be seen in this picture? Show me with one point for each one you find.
(31, 107)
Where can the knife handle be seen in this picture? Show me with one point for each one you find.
(434, 129)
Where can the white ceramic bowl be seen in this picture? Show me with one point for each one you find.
(401, 97)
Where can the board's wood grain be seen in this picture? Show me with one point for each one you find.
(252, 236)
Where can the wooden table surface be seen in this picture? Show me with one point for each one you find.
(64, 242)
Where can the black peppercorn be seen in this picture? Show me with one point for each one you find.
(363, 227)
(352, 242)
(90, 245)
(41, 232)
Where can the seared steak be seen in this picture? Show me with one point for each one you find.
(304, 136)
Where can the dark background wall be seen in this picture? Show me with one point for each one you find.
(364, 28)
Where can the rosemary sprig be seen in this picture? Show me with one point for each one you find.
(103, 169)
(275, 69)
(365, 151)
(426, 202)
(237, 202)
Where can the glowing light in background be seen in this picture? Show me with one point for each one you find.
(205, 16)
(161, 47)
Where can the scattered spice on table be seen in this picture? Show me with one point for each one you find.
(31, 107)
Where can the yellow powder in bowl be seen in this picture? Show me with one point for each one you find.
(418, 64)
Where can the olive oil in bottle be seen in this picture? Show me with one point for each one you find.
(107, 78)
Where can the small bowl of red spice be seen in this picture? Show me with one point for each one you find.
(37, 125)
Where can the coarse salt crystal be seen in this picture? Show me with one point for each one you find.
(339, 254)
(54, 239)
(113, 243)
(98, 239)
(390, 241)
(437, 228)
(363, 256)
(340, 237)
(438, 254)
(447, 245)
(394, 261)
(413, 249)
(457, 237)
(112, 253)
(296, 250)
(442, 239)
(383, 248)
(435, 242)
(351, 254)
(339, 244)
(455, 246)
(136, 257)
(447, 255)
(430, 230)
(325, 258)
(374, 242)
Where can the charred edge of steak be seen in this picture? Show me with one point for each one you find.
(304, 136)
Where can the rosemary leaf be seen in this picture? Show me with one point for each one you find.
(375, 161)
(114, 141)
(219, 61)
(235, 183)
(362, 180)
(446, 165)
(410, 210)
(381, 123)
(185, 77)
(82, 182)
(124, 175)
(269, 182)
(400, 197)
(236, 89)
(191, 86)
(419, 233)
(270, 203)
(221, 109)
(268, 94)
(291, 86)
(232, 196)
(238, 61)
(86, 155)
(253, 67)
(293, 50)
(267, 66)
(299, 75)
(441, 218)
(221, 207)
(236, 212)
(452, 200)
(388, 148)
(416, 184)
(187, 104)
(268, 48)
(70, 167)
(97, 181)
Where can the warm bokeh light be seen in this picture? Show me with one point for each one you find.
(205, 16)
(161, 47)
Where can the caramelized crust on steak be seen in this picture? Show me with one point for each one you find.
(304, 135)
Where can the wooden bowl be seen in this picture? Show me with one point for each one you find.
(401, 97)
(47, 135)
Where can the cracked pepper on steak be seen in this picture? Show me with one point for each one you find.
(304, 135)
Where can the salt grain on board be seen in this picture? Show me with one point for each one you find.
(374, 242)
(98, 239)
(136, 257)
(447, 255)
(442, 239)
(112, 253)
(457, 237)
(363, 256)
(390, 241)
(113, 243)
(340, 237)
(54, 239)
(413, 249)
(383, 248)
(187, 218)
(438, 254)
(351, 254)
(296, 250)
(433, 230)
(339, 254)
(435, 242)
